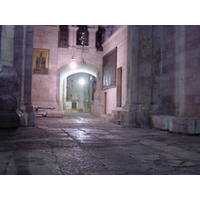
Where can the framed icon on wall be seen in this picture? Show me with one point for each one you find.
(40, 61)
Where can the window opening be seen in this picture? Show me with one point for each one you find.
(63, 36)
(82, 29)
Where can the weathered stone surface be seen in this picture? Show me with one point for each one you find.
(189, 125)
(52, 113)
(182, 125)
(9, 97)
(96, 147)
(9, 89)
(9, 119)
(160, 121)
(197, 126)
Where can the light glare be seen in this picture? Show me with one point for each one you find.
(82, 81)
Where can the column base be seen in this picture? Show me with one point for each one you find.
(135, 115)
(10, 121)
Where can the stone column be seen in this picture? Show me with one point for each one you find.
(64, 94)
(72, 35)
(128, 114)
(92, 37)
(7, 45)
(143, 61)
(23, 52)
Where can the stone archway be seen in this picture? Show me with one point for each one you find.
(78, 95)
(65, 71)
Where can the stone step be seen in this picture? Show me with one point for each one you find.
(111, 117)
(107, 117)
(75, 110)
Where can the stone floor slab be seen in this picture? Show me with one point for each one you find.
(82, 144)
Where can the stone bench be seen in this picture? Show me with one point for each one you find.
(41, 111)
(54, 113)
(189, 125)
(48, 112)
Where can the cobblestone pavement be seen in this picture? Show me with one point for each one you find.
(84, 144)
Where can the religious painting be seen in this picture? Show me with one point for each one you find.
(109, 69)
(40, 61)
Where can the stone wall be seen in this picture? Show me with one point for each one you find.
(180, 69)
(48, 90)
(119, 40)
(179, 80)
(45, 87)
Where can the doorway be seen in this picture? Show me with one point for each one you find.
(80, 92)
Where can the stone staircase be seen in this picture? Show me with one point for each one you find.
(113, 117)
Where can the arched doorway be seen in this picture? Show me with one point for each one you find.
(77, 87)
(80, 88)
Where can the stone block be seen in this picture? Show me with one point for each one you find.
(197, 123)
(182, 125)
(160, 122)
(188, 125)
(9, 98)
(9, 88)
(56, 114)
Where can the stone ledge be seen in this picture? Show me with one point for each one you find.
(189, 125)
(56, 114)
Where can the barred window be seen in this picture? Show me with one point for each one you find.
(63, 36)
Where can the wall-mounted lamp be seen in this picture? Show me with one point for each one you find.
(72, 63)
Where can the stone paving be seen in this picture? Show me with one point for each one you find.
(82, 144)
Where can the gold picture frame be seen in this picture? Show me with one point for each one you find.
(40, 61)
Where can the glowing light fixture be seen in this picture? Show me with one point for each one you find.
(72, 63)
(82, 81)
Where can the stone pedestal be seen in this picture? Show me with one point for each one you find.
(9, 98)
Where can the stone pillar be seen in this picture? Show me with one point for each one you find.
(141, 76)
(92, 37)
(64, 94)
(72, 35)
(128, 111)
(23, 52)
(7, 45)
